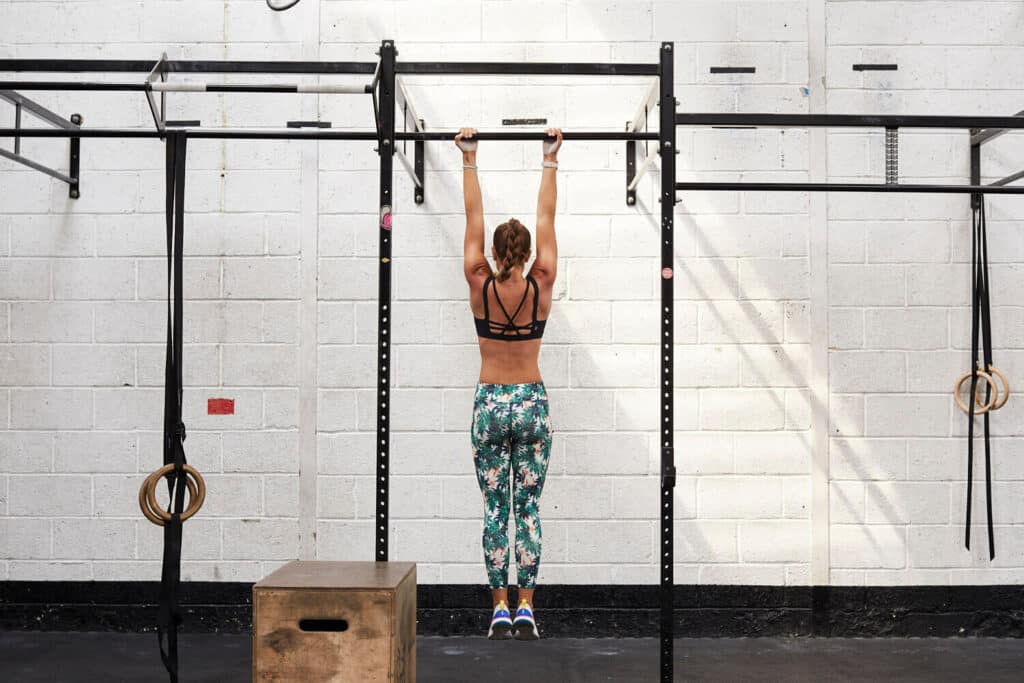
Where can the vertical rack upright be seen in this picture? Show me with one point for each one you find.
(667, 150)
(386, 148)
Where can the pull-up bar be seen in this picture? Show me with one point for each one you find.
(531, 135)
(312, 134)
(161, 86)
(307, 67)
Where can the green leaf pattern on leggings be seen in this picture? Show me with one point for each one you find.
(511, 435)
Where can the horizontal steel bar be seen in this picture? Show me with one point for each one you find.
(527, 68)
(847, 121)
(195, 133)
(325, 88)
(73, 86)
(982, 136)
(185, 66)
(284, 133)
(160, 86)
(530, 135)
(307, 67)
(37, 166)
(849, 187)
(1013, 177)
(37, 110)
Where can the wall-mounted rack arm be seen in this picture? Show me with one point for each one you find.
(1013, 177)
(636, 124)
(68, 128)
(158, 75)
(644, 167)
(983, 135)
(409, 114)
(639, 120)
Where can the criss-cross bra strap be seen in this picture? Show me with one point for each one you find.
(511, 325)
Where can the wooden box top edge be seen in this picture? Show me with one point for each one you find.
(319, 574)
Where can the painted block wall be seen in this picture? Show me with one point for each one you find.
(817, 338)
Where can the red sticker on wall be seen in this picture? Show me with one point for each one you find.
(666, 273)
(385, 217)
(220, 406)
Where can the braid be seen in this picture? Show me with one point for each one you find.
(512, 244)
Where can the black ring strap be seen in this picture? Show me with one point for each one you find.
(168, 611)
(981, 340)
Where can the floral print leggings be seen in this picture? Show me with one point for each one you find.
(511, 434)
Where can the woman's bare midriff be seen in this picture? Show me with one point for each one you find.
(509, 362)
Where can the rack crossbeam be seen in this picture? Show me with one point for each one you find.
(850, 187)
(846, 121)
(527, 69)
(191, 66)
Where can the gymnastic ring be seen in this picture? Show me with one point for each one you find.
(197, 493)
(152, 509)
(1001, 396)
(151, 481)
(1005, 393)
(983, 408)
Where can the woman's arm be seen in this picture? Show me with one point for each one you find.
(546, 266)
(474, 263)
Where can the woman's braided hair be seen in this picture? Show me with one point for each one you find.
(512, 246)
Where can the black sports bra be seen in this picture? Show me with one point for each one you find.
(510, 331)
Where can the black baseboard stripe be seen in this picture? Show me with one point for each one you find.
(564, 610)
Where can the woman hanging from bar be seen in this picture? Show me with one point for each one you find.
(511, 427)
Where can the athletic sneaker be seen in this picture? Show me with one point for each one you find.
(501, 623)
(525, 626)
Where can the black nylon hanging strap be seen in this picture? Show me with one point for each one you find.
(169, 614)
(981, 341)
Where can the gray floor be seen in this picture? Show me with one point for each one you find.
(30, 657)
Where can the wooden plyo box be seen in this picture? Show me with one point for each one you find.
(335, 621)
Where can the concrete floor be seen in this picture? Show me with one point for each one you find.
(32, 656)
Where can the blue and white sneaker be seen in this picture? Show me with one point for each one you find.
(525, 626)
(501, 623)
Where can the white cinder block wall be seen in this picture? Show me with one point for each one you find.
(817, 337)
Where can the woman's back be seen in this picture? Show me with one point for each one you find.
(510, 322)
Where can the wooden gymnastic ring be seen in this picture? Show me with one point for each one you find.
(1005, 393)
(982, 408)
(148, 490)
(151, 482)
(1001, 396)
(152, 509)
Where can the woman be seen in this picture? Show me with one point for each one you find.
(511, 431)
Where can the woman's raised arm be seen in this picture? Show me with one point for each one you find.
(546, 265)
(474, 262)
